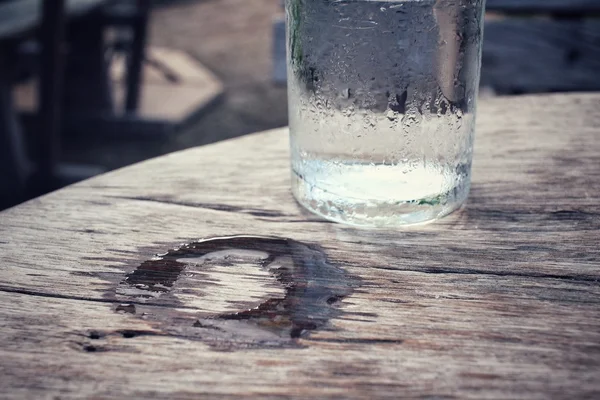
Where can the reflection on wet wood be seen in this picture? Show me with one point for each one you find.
(209, 275)
(108, 288)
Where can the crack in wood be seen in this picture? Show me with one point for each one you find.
(356, 340)
(441, 271)
(215, 207)
(81, 298)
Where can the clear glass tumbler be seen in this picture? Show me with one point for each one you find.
(382, 97)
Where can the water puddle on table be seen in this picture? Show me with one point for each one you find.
(184, 291)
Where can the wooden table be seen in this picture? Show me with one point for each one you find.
(500, 300)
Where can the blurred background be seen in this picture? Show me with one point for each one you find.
(87, 86)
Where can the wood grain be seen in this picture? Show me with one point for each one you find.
(500, 300)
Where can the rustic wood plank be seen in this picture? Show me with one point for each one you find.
(500, 300)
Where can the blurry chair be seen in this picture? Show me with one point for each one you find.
(90, 57)
(176, 90)
(46, 26)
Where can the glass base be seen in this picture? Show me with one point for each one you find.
(376, 196)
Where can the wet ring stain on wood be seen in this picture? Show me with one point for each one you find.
(310, 289)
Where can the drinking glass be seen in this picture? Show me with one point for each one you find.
(382, 99)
